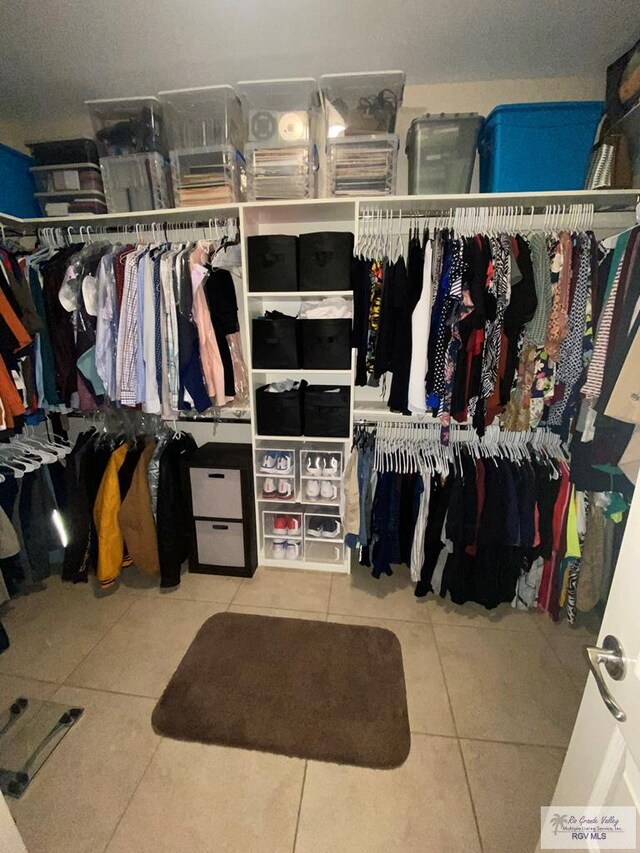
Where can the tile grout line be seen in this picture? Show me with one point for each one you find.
(107, 690)
(473, 804)
(455, 726)
(237, 590)
(564, 668)
(96, 644)
(133, 793)
(515, 743)
(304, 779)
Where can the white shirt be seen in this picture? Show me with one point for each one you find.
(420, 325)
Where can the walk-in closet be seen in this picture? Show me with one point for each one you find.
(319, 430)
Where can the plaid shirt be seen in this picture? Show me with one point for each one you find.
(127, 357)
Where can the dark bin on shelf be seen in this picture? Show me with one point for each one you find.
(279, 413)
(326, 410)
(58, 151)
(326, 344)
(273, 262)
(325, 260)
(275, 342)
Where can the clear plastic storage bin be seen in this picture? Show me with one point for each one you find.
(361, 104)
(207, 117)
(70, 176)
(441, 151)
(280, 112)
(72, 202)
(127, 125)
(281, 129)
(206, 176)
(362, 165)
(136, 182)
(289, 172)
(206, 139)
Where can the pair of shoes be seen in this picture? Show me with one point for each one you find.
(323, 464)
(280, 490)
(324, 490)
(277, 462)
(285, 550)
(322, 526)
(283, 524)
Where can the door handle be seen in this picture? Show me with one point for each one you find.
(612, 656)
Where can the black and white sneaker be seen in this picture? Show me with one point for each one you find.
(268, 464)
(330, 528)
(315, 526)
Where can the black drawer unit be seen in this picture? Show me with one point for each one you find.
(219, 482)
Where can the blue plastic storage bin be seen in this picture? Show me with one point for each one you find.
(531, 147)
(17, 186)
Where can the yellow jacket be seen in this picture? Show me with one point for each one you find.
(105, 516)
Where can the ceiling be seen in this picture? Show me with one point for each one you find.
(57, 53)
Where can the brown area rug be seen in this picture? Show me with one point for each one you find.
(307, 689)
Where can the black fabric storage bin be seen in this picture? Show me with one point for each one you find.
(279, 413)
(326, 344)
(273, 262)
(326, 410)
(275, 343)
(325, 260)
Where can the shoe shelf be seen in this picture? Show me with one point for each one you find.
(335, 478)
(309, 439)
(323, 537)
(285, 554)
(286, 535)
(300, 295)
(298, 371)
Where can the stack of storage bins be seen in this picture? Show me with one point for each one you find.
(132, 148)
(67, 177)
(360, 113)
(442, 151)
(281, 154)
(206, 142)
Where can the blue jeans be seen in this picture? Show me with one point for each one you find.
(365, 469)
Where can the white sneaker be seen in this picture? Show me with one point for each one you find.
(332, 467)
(330, 529)
(284, 463)
(292, 550)
(268, 465)
(314, 465)
(278, 549)
(328, 491)
(285, 490)
(312, 489)
(269, 489)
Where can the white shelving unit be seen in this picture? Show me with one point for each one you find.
(614, 211)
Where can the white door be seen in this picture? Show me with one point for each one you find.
(602, 765)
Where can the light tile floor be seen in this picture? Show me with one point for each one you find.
(492, 699)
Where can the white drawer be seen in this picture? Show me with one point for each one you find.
(220, 543)
(216, 492)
